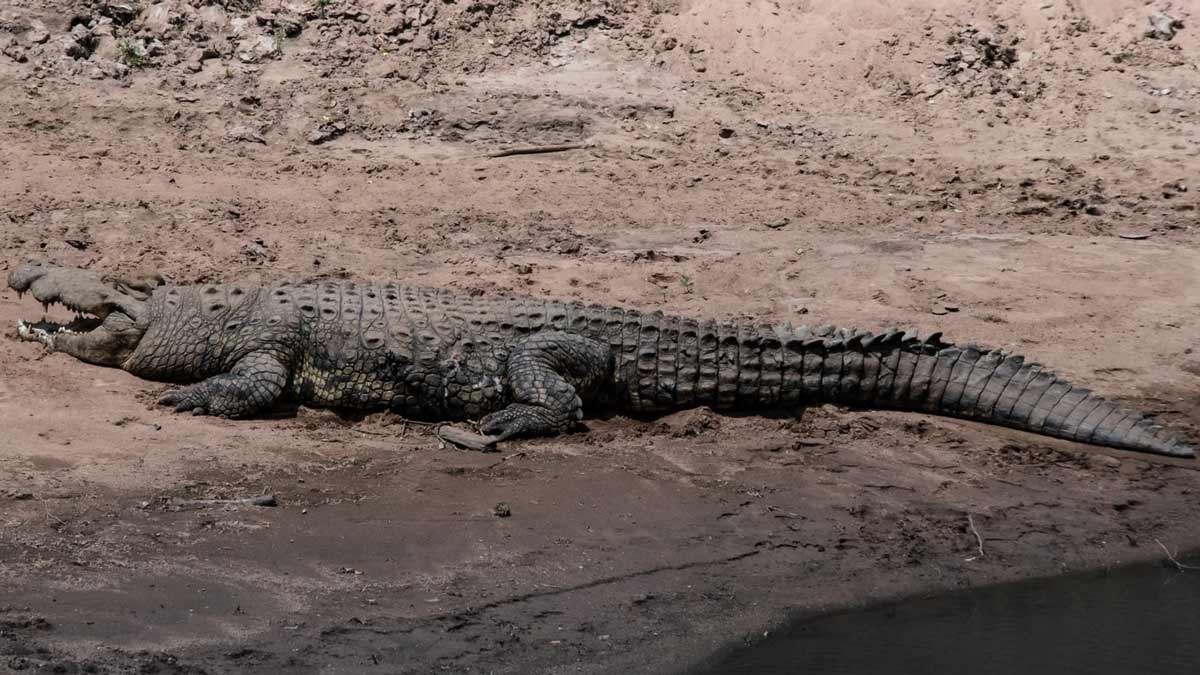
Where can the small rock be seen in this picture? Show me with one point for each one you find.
(1103, 462)
(79, 45)
(1163, 26)
(113, 69)
(213, 19)
(325, 133)
(502, 510)
(120, 12)
(1134, 235)
(107, 47)
(778, 224)
(37, 33)
(239, 25)
(665, 44)
(255, 49)
(291, 25)
(246, 134)
(16, 53)
(726, 132)
(156, 18)
(643, 598)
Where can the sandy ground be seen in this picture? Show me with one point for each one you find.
(1016, 173)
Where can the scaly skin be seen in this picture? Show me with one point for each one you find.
(530, 367)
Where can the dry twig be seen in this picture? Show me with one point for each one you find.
(1178, 565)
(466, 439)
(978, 539)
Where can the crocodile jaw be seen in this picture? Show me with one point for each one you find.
(105, 329)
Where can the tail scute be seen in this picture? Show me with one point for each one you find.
(903, 370)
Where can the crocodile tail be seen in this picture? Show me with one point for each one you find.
(900, 370)
(667, 363)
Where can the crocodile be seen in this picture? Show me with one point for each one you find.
(524, 366)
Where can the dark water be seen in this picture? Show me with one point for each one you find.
(1137, 621)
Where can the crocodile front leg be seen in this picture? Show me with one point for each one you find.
(550, 375)
(255, 382)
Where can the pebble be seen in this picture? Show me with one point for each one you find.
(1163, 26)
(246, 134)
(326, 132)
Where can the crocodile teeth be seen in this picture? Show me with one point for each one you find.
(29, 332)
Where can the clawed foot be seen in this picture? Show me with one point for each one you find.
(511, 422)
(519, 419)
(184, 399)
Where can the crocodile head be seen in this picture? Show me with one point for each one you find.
(109, 311)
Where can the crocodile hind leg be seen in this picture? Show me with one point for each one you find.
(550, 376)
(253, 384)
